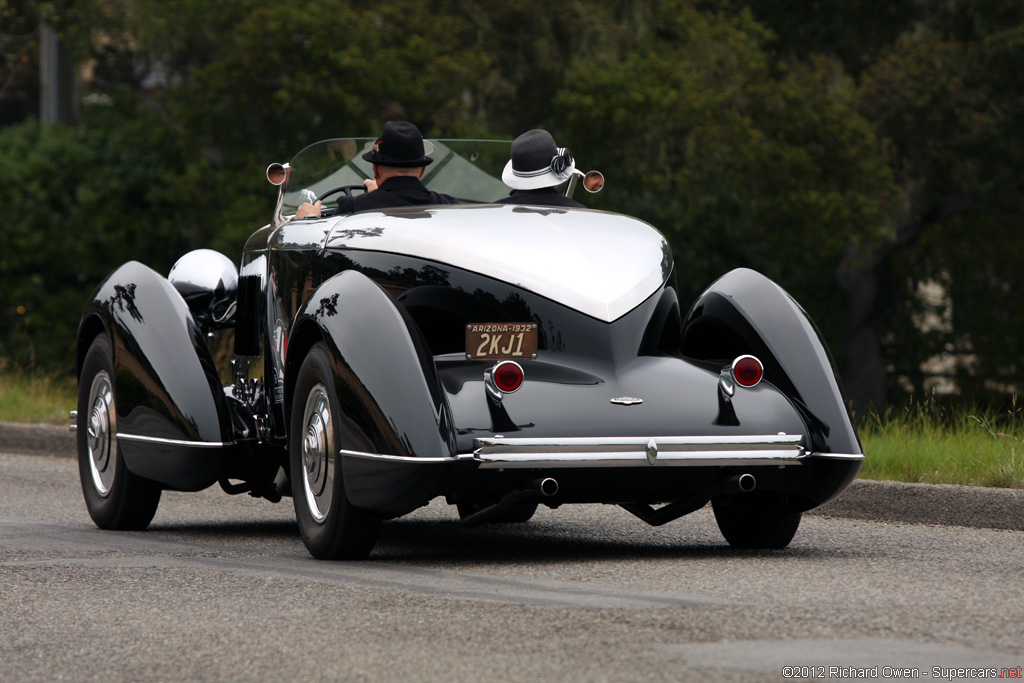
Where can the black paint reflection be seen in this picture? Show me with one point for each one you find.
(539, 212)
(328, 307)
(123, 300)
(355, 232)
(413, 215)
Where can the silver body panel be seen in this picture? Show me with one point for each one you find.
(600, 264)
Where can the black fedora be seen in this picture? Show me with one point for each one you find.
(400, 145)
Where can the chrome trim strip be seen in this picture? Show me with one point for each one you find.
(173, 442)
(406, 459)
(781, 449)
(839, 456)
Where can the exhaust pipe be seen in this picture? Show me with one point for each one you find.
(546, 487)
(740, 483)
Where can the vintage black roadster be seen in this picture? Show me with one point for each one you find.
(501, 356)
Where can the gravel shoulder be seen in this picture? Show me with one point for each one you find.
(880, 501)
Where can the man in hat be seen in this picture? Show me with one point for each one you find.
(536, 168)
(398, 158)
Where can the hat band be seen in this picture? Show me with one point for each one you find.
(559, 166)
(531, 174)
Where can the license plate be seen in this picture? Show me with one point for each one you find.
(501, 341)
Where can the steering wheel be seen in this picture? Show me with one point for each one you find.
(347, 189)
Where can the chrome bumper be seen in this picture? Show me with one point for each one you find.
(674, 451)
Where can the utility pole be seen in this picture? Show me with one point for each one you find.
(58, 100)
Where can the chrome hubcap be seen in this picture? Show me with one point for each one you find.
(101, 433)
(318, 453)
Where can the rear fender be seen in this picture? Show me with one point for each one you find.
(388, 389)
(745, 312)
(172, 417)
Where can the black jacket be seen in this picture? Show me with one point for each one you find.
(393, 192)
(547, 196)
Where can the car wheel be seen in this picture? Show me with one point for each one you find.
(518, 514)
(115, 498)
(331, 527)
(750, 521)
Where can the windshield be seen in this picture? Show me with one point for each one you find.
(468, 170)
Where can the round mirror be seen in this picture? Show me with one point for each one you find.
(593, 181)
(277, 173)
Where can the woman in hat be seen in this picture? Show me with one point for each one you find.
(536, 168)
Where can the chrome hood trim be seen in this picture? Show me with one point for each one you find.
(600, 264)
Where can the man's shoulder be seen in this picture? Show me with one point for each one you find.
(394, 192)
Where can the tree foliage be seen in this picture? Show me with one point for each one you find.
(739, 160)
(87, 196)
(19, 60)
(949, 97)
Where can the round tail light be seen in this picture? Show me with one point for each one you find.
(508, 376)
(747, 371)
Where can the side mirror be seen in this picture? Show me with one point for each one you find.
(278, 173)
(593, 181)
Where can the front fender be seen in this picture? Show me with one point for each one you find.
(172, 418)
(396, 414)
(745, 312)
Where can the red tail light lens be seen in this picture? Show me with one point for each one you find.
(508, 376)
(747, 371)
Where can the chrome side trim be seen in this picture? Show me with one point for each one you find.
(839, 456)
(172, 442)
(406, 459)
(781, 449)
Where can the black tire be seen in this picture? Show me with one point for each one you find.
(750, 521)
(522, 512)
(331, 527)
(115, 498)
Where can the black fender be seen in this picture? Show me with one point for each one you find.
(172, 419)
(745, 312)
(398, 437)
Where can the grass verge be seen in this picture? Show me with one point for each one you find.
(959, 445)
(36, 398)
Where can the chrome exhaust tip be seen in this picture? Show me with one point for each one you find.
(548, 486)
(746, 482)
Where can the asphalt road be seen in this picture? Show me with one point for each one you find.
(221, 588)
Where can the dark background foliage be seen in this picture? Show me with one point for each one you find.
(866, 155)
